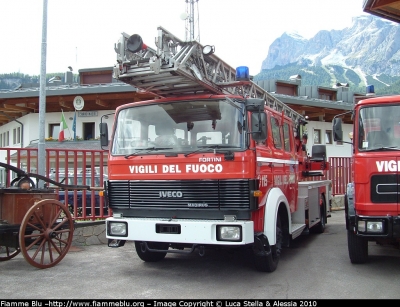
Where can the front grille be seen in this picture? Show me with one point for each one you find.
(385, 188)
(193, 194)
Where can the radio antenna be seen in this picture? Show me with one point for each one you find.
(192, 29)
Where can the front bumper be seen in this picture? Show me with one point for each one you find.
(180, 231)
(377, 226)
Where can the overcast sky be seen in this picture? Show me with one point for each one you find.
(82, 33)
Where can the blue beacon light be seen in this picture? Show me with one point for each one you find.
(242, 73)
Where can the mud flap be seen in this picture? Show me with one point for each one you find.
(261, 245)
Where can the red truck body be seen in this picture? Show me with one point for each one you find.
(214, 161)
(371, 202)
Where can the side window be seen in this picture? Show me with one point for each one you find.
(317, 136)
(276, 135)
(7, 138)
(328, 137)
(286, 137)
(54, 129)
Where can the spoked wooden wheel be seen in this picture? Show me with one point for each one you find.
(7, 253)
(46, 233)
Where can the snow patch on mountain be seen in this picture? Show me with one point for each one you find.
(294, 34)
(335, 57)
(371, 44)
(375, 77)
(361, 74)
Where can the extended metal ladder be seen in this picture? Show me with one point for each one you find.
(179, 68)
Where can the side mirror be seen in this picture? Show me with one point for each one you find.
(255, 104)
(337, 130)
(259, 126)
(103, 127)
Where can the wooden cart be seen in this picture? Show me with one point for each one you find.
(33, 221)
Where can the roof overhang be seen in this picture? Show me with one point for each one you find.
(317, 109)
(19, 102)
(387, 9)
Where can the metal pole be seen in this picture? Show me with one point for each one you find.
(42, 100)
(191, 20)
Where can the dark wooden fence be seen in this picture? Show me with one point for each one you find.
(94, 163)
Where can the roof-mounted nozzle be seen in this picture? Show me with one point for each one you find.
(135, 43)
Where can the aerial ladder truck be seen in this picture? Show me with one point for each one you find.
(213, 161)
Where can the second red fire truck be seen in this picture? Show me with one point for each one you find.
(372, 207)
(213, 161)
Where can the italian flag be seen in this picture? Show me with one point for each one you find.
(63, 126)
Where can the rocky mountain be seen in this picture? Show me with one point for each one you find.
(368, 52)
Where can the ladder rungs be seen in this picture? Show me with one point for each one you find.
(169, 71)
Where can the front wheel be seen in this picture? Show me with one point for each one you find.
(358, 248)
(269, 262)
(46, 233)
(150, 256)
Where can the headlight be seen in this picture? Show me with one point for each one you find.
(370, 226)
(229, 233)
(375, 226)
(119, 229)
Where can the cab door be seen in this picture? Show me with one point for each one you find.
(283, 153)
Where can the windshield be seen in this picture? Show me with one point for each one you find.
(179, 127)
(379, 128)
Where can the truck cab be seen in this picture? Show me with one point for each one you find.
(372, 198)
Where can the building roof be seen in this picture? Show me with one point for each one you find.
(97, 96)
(387, 9)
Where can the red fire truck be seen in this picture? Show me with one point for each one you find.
(213, 161)
(372, 198)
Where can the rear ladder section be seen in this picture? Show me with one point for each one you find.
(179, 68)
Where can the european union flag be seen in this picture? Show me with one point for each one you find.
(74, 126)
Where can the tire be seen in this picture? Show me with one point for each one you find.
(269, 263)
(320, 227)
(358, 248)
(148, 256)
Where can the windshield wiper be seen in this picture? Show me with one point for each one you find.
(208, 148)
(384, 148)
(148, 149)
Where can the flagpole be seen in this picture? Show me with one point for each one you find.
(41, 167)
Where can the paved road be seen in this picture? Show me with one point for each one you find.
(315, 267)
